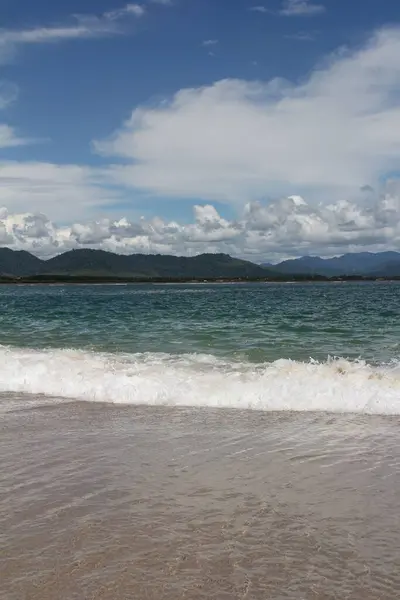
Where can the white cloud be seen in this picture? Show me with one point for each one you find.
(130, 9)
(136, 9)
(208, 43)
(301, 8)
(82, 27)
(8, 93)
(287, 227)
(63, 192)
(237, 140)
(8, 136)
(10, 139)
(259, 8)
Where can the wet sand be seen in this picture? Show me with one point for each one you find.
(109, 503)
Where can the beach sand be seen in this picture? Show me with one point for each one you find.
(109, 503)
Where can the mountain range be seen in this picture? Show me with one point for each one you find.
(98, 263)
(85, 263)
(382, 264)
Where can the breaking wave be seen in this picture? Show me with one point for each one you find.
(196, 380)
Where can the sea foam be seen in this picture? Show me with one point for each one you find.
(197, 380)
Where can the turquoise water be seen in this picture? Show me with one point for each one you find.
(253, 322)
(332, 347)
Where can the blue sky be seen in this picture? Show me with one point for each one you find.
(150, 109)
(74, 91)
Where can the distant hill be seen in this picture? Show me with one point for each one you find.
(97, 263)
(18, 263)
(382, 264)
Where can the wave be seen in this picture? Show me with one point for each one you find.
(198, 380)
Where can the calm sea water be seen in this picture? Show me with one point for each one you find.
(195, 442)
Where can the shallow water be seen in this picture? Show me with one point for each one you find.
(143, 502)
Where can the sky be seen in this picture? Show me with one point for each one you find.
(263, 129)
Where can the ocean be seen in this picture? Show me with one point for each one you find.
(200, 441)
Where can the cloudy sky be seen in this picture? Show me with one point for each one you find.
(262, 129)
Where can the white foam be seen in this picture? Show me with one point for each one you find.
(202, 380)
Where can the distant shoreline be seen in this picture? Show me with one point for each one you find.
(81, 280)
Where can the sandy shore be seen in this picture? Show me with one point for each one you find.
(123, 502)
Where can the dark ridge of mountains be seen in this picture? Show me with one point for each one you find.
(98, 263)
(382, 264)
(18, 263)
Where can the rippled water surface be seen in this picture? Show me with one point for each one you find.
(255, 322)
(125, 502)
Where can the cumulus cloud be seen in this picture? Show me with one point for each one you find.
(81, 27)
(301, 8)
(287, 227)
(237, 140)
